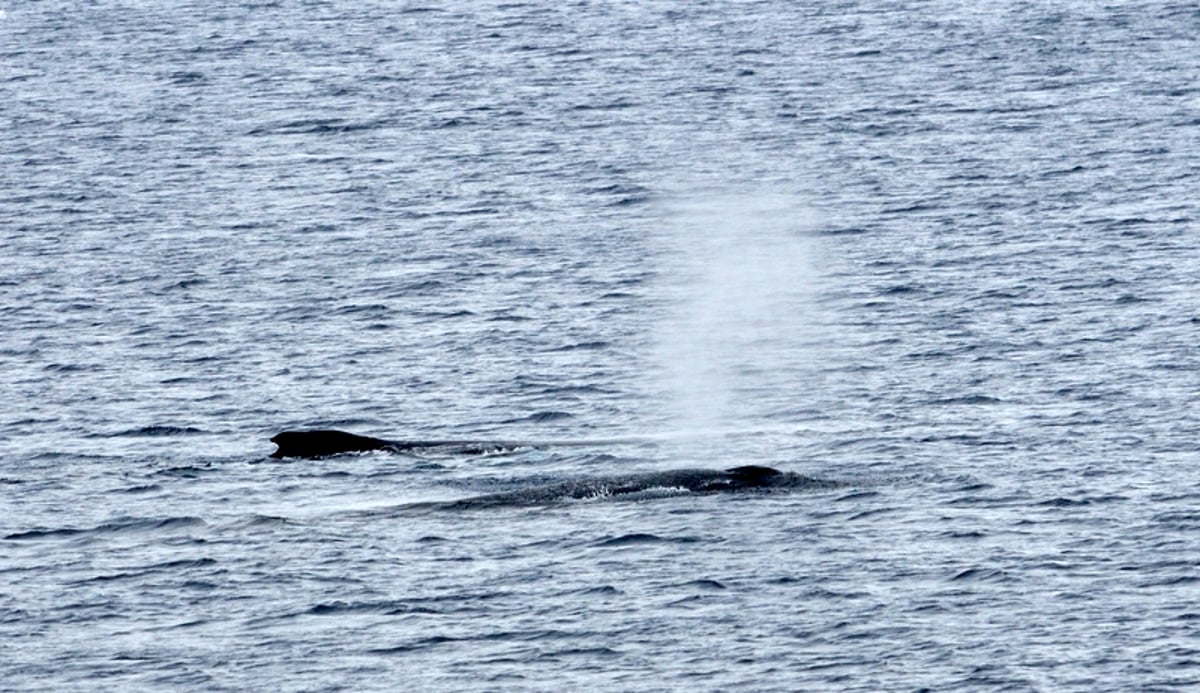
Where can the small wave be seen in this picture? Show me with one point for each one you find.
(426, 605)
(313, 126)
(186, 77)
(967, 399)
(843, 231)
(186, 284)
(120, 525)
(857, 495)
(186, 471)
(1173, 581)
(69, 368)
(602, 590)
(420, 644)
(980, 574)
(490, 636)
(184, 563)
(154, 432)
(574, 390)
(449, 123)
(257, 520)
(541, 417)
(43, 534)
(1184, 518)
(783, 580)
(384, 608)
(968, 534)
(644, 538)
(112, 577)
(581, 346)
(509, 317)
(1061, 502)
(444, 314)
(169, 566)
(140, 488)
(868, 513)
(353, 308)
(600, 651)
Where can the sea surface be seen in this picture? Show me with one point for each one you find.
(942, 254)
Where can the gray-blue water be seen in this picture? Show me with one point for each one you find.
(946, 253)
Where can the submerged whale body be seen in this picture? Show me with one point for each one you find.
(702, 481)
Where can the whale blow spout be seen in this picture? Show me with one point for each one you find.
(313, 444)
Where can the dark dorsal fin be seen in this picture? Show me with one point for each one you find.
(323, 443)
(752, 475)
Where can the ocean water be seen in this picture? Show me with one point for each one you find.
(945, 254)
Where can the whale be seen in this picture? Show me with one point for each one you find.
(746, 478)
(319, 443)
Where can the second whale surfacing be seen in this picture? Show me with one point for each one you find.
(748, 478)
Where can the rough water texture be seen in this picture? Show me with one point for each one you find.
(944, 253)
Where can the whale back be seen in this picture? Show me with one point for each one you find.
(753, 475)
(312, 444)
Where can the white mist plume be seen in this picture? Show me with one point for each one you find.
(736, 329)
